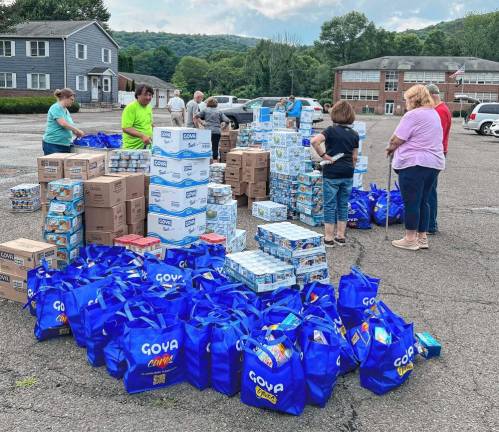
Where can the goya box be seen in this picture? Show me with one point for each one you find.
(175, 230)
(66, 208)
(177, 201)
(63, 224)
(66, 240)
(65, 190)
(19, 256)
(179, 142)
(167, 171)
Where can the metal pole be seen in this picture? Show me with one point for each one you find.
(388, 188)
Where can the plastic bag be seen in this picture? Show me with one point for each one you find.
(359, 214)
(396, 211)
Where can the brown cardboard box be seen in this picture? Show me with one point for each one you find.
(13, 287)
(44, 199)
(19, 256)
(255, 175)
(108, 219)
(84, 166)
(135, 210)
(233, 173)
(252, 200)
(147, 182)
(238, 187)
(257, 190)
(138, 228)
(45, 211)
(105, 237)
(135, 184)
(256, 159)
(235, 158)
(242, 200)
(105, 191)
(223, 156)
(51, 167)
(233, 134)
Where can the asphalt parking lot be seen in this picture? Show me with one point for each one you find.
(451, 290)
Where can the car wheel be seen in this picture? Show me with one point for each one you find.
(233, 123)
(485, 128)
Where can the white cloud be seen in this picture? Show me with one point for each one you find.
(398, 23)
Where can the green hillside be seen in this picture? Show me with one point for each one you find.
(197, 45)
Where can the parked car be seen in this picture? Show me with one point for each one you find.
(481, 117)
(244, 113)
(226, 101)
(494, 129)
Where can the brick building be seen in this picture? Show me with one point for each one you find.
(378, 85)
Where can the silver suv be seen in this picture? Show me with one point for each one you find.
(481, 117)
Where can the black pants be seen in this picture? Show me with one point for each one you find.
(215, 140)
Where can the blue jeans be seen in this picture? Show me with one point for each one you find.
(55, 148)
(336, 195)
(416, 184)
(433, 203)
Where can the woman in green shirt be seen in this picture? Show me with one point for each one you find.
(60, 126)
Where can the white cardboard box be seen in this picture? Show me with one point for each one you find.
(167, 171)
(174, 230)
(177, 201)
(181, 142)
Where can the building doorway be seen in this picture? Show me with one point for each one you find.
(95, 88)
(389, 107)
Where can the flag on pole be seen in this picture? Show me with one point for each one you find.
(460, 72)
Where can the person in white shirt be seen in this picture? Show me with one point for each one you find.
(176, 106)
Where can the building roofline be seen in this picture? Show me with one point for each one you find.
(98, 25)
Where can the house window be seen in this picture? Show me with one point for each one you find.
(106, 84)
(37, 48)
(81, 83)
(391, 80)
(106, 55)
(7, 80)
(39, 81)
(424, 77)
(7, 49)
(360, 76)
(356, 94)
(81, 51)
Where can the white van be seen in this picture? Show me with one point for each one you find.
(226, 101)
(481, 117)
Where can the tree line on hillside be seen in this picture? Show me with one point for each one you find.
(235, 65)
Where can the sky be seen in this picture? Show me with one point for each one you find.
(300, 19)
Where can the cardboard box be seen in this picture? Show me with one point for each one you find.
(242, 200)
(254, 175)
(180, 142)
(84, 166)
(257, 190)
(135, 184)
(235, 158)
(19, 256)
(233, 134)
(108, 219)
(43, 193)
(174, 230)
(105, 191)
(137, 228)
(252, 200)
(256, 159)
(45, 211)
(233, 173)
(238, 187)
(177, 201)
(135, 210)
(13, 287)
(105, 237)
(179, 172)
(51, 167)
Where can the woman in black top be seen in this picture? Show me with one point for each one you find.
(337, 175)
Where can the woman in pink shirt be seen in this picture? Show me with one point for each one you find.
(418, 157)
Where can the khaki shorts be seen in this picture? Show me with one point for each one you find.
(177, 119)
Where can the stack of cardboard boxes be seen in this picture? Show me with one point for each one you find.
(135, 202)
(17, 258)
(228, 141)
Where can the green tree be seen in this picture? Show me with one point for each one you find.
(191, 74)
(435, 44)
(375, 42)
(160, 62)
(408, 44)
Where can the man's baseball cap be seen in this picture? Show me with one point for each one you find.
(433, 89)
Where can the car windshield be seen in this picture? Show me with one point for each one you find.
(255, 103)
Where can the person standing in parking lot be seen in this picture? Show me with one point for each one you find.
(214, 120)
(294, 112)
(193, 109)
(137, 120)
(280, 105)
(176, 106)
(446, 121)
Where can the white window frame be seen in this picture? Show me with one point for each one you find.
(13, 79)
(108, 80)
(360, 76)
(12, 48)
(359, 94)
(85, 83)
(28, 48)
(484, 78)
(29, 80)
(84, 51)
(424, 77)
(103, 50)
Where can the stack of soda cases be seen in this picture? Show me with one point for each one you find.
(310, 200)
(129, 161)
(25, 198)
(64, 222)
(262, 128)
(221, 211)
(278, 119)
(178, 187)
(245, 137)
(362, 161)
(217, 172)
(300, 247)
(286, 156)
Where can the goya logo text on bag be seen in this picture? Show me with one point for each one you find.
(161, 351)
(404, 364)
(59, 307)
(264, 389)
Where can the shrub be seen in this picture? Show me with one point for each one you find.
(30, 105)
(458, 113)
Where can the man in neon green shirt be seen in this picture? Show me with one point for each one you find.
(136, 120)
